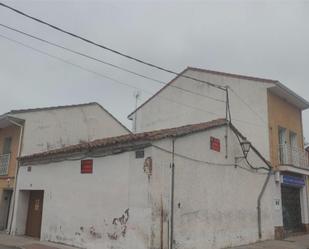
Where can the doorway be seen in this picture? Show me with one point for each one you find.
(35, 209)
(5, 205)
(291, 209)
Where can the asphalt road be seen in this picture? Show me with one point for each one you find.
(8, 247)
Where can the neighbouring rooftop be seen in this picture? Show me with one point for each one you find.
(145, 137)
(276, 87)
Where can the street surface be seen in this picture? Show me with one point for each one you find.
(18, 242)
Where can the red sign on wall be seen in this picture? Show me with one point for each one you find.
(86, 166)
(215, 144)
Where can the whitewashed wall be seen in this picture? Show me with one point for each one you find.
(21, 212)
(79, 209)
(217, 204)
(167, 109)
(51, 129)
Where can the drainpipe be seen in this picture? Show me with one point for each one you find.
(259, 203)
(21, 135)
(172, 195)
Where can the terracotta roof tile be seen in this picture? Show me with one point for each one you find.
(126, 139)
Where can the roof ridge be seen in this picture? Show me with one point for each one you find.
(206, 71)
(16, 111)
(233, 75)
(127, 138)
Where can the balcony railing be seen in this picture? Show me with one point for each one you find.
(4, 164)
(289, 155)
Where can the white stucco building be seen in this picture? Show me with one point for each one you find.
(173, 105)
(268, 113)
(55, 127)
(184, 187)
(24, 132)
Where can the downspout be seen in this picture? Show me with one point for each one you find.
(21, 135)
(259, 203)
(172, 195)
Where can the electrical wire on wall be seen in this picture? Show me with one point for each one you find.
(246, 158)
(248, 106)
(208, 163)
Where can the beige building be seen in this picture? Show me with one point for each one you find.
(10, 136)
(290, 160)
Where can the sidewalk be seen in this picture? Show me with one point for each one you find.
(22, 242)
(297, 242)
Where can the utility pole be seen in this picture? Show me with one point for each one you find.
(172, 196)
(136, 95)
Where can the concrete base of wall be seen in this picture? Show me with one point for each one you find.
(279, 233)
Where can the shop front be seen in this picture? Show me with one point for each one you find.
(294, 203)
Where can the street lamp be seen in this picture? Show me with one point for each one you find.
(245, 146)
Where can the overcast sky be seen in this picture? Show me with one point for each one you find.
(258, 38)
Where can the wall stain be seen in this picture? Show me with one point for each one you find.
(95, 234)
(119, 226)
(148, 167)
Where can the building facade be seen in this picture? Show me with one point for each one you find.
(265, 111)
(289, 159)
(10, 136)
(31, 131)
(184, 187)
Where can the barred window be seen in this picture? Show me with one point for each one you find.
(5, 157)
(4, 164)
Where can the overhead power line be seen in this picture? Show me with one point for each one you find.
(249, 107)
(110, 49)
(102, 75)
(79, 53)
(115, 80)
(105, 62)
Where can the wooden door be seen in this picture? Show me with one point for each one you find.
(34, 219)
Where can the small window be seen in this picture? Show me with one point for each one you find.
(7, 145)
(86, 166)
(139, 154)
